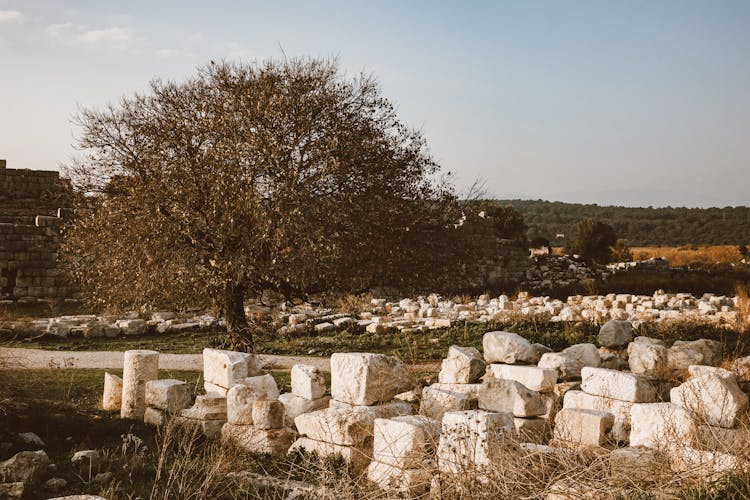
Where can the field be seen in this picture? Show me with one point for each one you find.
(690, 255)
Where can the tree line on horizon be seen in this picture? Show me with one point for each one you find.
(637, 226)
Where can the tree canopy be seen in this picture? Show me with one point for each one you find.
(285, 175)
(593, 240)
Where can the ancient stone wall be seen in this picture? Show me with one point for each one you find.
(30, 205)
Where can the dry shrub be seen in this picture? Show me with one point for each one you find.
(743, 305)
(351, 303)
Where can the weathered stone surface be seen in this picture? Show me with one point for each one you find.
(499, 395)
(390, 409)
(570, 361)
(358, 458)
(464, 365)
(617, 385)
(660, 425)
(344, 426)
(533, 377)
(30, 440)
(435, 402)
(648, 360)
(713, 399)
(256, 440)
(708, 465)
(208, 407)
(226, 368)
(472, 438)
(27, 467)
(169, 395)
(295, 406)
(712, 438)
(140, 366)
(87, 458)
(615, 333)
(366, 379)
(155, 417)
(240, 399)
(409, 482)
(308, 382)
(215, 390)
(741, 369)
(586, 427)
(510, 348)
(620, 410)
(470, 390)
(112, 397)
(209, 428)
(404, 441)
(268, 414)
(700, 370)
(682, 354)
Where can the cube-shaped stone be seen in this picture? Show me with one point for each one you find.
(404, 441)
(307, 382)
(366, 379)
(586, 427)
(295, 406)
(464, 365)
(617, 385)
(498, 395)
(533, 377)
(256, 440)
(225, 368)
(620, 410)
(712, 398)
(615, 333)
(169, 395)
(268, 414)
(660, 425)
(473, 438)
(435, 402)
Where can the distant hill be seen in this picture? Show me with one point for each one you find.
(639, 226)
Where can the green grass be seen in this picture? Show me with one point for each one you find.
(62, 406)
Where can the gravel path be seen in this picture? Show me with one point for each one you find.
(34, 359)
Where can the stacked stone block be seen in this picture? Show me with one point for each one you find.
(308, 393)
(457, 388)
(165, 398)
(222, 369)
(362, 387)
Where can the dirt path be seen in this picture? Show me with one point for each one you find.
(12, 358)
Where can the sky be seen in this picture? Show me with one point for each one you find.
(631, 103)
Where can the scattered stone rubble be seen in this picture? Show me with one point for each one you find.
(632, 398)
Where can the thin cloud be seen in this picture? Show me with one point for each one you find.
(9, 16)
(113, 34)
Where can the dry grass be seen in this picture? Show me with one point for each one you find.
(690, 255)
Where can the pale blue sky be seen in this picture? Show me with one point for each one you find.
(631, 102)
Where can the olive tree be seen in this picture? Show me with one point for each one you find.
(593, 240)
(286, 176)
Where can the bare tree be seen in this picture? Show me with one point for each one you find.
(281, 175)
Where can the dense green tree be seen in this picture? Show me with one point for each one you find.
(593, 240)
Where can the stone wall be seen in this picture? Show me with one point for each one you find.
(495, 263)
(30, 202)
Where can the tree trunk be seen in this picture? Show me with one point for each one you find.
(238, 329)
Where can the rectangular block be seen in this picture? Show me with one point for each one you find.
(586, 427)
(533, 377)
(617, 385)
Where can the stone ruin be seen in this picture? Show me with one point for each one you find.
(32, 206)
(634, 399)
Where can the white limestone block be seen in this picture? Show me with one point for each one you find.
(660, 425)
(365, 378)
(295, 406)
(435, 402)
(254, 439)
(358, 458)
(473, 438)
(140, 366)
(617, 385)
(408, 482)
(404, 441)
(112, 397)
(498, 395)
(615, 333)
(586, 427)
(507, 347)
(620, 410)
(168, 394)
(307, 382)
(649, 360)
(226, 368)
(268, 414)
(464, 365)
(533, 377)
(713, 399)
